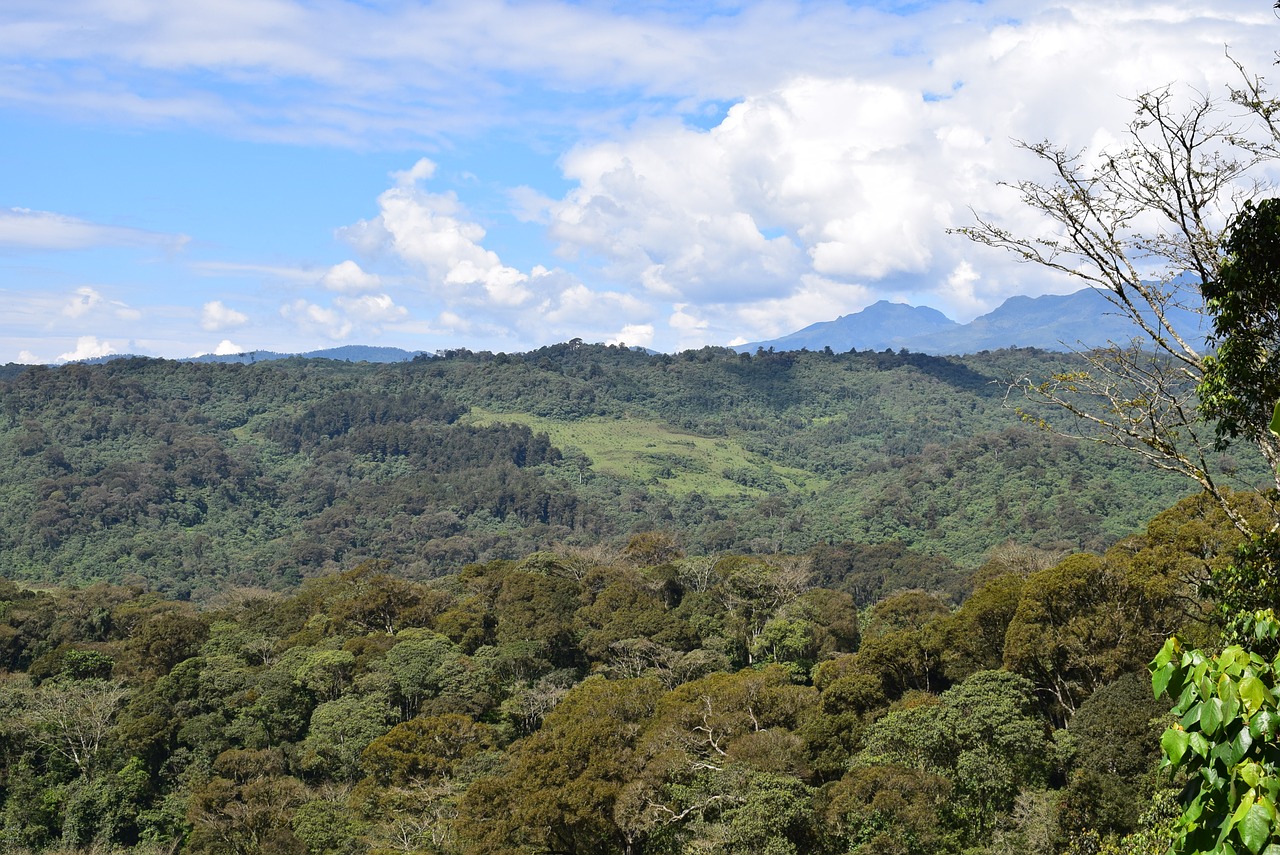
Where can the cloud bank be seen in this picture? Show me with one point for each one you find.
(719, 173)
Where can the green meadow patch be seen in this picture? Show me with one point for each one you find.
(653, 453)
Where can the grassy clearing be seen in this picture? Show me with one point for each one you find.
(653, 453)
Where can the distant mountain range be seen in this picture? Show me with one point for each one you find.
(346, 353)
(1053, 322)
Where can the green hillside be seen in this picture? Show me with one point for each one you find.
(190, 476)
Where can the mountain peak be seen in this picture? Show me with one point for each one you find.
(1051, 322)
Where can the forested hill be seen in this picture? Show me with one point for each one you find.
(195, 476)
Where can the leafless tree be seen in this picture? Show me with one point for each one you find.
(1144, 225)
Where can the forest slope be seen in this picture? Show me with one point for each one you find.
(191, 476)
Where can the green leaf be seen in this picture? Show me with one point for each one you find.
(1255, 828)
(1254, 694)
(1263, 724)
(1174, 742)
(1165, 656)
(1241, 745)
(1211, 716)
(1160, 678)
(1275, 418)
(1242, 809)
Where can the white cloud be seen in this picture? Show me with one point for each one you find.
(88, 347)
(82, 302)
(227, 348)
(348, 278)
(577, 303)
(372, 309)
(816, 299)
(691, 330)
(88, 301)
(454, 322)
(44, 230)
(841, 178)
(633, 335)
(420, 171)
(780, 165)
(313, 318)
(216, 316)
(528, 205)
(429, 231)
(960, 288)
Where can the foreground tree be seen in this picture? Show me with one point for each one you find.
(1172, 224)
(1147, 226)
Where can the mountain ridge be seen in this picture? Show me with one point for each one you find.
(1055, 322)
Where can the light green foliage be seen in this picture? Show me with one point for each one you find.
(326, 828)
(419, 664)
(324, 672)
(340, 731)
(790, 642)
(982, 735)
(1224, 741)
(651, 451)
(1085, 621)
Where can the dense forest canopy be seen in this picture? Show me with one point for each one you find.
(583, 600)
(191, 477)
(635, 701)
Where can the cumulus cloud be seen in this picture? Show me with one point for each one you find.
(348, 278)
(88, 301)
(841, 179)
(633, 335)
(227, 348)
(88, 347)
(829, 191)
(367, 314)
(781, 165)
(82, 302)
(24, 228)
(430, 231)
(372, 309)
(318, 319)
(216, 316)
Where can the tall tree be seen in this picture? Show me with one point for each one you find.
(1146, 225)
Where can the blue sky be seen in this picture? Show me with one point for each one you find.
(229, 175)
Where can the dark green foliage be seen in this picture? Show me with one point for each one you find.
(191, 477)
(585, 702)
(1241, 384)
(485, 644)
(1115, 738)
